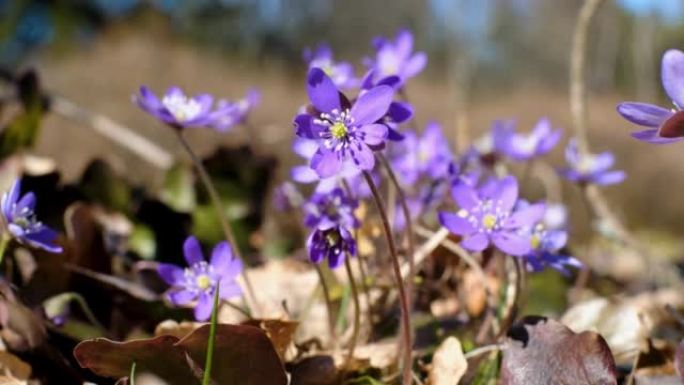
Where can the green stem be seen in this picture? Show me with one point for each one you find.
(4, 241)
(218, 206)
(403, 298)
(357, 311)
(328, 305)
(131, 377)
(206, 380)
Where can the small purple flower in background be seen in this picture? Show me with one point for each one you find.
(286, 197)
(489, 217)
(590, 168)
(18, 213)
(665, 125)
(228, 114)
(325, 211)
(398, 112)
(341, 73)
(518, 146)
(176, 109)
(343, 131)
(331, 244)
(396, 58)
(428, 154)
(199, 280)
(546, 250)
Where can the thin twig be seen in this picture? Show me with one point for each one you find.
(483, 350)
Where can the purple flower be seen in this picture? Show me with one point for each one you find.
(333, 244)
(19, 217)
(341, 130)
(396, 58)
(324, 211)
(428, 154)
(341, 73)
(198, 282)
(665, 125)
(229, 114)
(487, 216)
(546, 250)
(524, 147)
(590, 168)
(398, 112)
(176, 109)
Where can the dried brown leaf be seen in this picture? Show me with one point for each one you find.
(448, 363)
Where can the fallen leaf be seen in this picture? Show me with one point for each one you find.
(243, 355)
(14, 366)
(315, 370)
(280, 332)
(448, 363)
(541, 351)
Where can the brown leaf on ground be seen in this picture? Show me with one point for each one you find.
(315, 370)
(540, 351)
(280, 332)
(448, 363)
(14, 366)
(22, 329)
(243, 355)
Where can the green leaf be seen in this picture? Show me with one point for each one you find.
(179, 188)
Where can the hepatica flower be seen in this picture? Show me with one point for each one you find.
(198, 282)
(228, 114)
(398, 112)
(487, 216)
(177, 109)
(590, 168)
(343, 131)
(521, 147)
(664, 125)
(324, 211)
(396, 58)
(341, 73)
(428, 154)
(332, 244)
(546, 250)
(18, 213)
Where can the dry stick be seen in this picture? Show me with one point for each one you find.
(124, 136)
(218, 206)
(328, 305)
(357, 311)
(403, 298)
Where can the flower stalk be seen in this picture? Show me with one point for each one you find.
(357, 311)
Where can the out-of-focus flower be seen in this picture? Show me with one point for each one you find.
(307, 148)
(228, 114)
(286, 197)
(343, 131)
(665, 125)
(18, 213)
(546, 250)
(199, 281)
(526, 146)
(488, 217)
(396, 58)
(590, 168)
(331, 244)
(177, 109)
(428, 154)
(336, 208)
(341, 73)
(556, 216)
(398, 112)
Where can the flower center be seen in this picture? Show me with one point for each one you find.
(203, 282)
(586, 164)
(332, 237)
(339, 130)
(489, 221)
(535, 241)
(181, 107)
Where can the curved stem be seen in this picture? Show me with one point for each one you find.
(218, 206)
(403, 298)
(408, 228)
(357, 311)
(4, 241)
(328, 305)
(131, 377)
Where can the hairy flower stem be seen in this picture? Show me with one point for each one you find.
(206, 379)
(4, 241)
(357, 311)
(218, 206)
(403, 298)
(328, 306)
(131, 377)
(408, 228)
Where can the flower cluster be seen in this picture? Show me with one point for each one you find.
(199, 281)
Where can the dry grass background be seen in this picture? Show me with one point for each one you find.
(103, 76)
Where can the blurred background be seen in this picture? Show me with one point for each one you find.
(488, 59)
